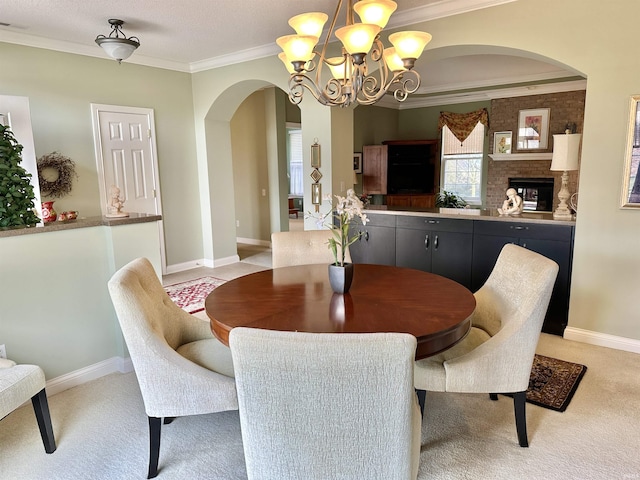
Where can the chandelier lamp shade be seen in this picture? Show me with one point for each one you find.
(117, 45)
(366, 71)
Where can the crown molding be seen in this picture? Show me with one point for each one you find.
(86, 50)
(482, 96)
(441, 9)
(415, 15)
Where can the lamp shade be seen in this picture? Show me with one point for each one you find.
(309, 23)
(565, 152)
(288, 65)
(298, 48)
(338, 67)
(393, 61)
(358, 38)
(409, 44)
(376, 12)
(118, 48)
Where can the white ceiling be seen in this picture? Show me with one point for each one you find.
(193, 35)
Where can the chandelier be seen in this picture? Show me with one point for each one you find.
(366, 71)
(117, 45)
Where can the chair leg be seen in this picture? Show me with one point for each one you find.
(155, 426)
(493, 396)
(41, 409)
(519, 402)
(421, 399)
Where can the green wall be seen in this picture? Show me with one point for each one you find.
(61, 88)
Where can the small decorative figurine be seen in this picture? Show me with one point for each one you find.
(512, 205)
(114, 208)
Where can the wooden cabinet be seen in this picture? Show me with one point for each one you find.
(377, 243)
(405, 168)
(437, 245)
(374, 169)
(552, 241)
(412, 201)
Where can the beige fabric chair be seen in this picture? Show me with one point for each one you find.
(181, 368)
(320, 406)
(497, 354)
(19, 383)
(302, 247)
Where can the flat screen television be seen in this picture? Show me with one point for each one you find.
(409, 169)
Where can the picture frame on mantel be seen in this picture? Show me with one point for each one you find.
(631, 181)
(533, 129)
(357, 162)
(502, 143)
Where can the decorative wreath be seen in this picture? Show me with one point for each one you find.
(66, 169)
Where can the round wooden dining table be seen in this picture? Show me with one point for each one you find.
(382, 298)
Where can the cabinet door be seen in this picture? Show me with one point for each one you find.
(451, 255)
(377, 243)
(486, 249)
(423, 201)
(398, 200)
(374, 169)
(560, 252)
(413, 248)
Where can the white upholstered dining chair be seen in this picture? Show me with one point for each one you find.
(320, 406)
(19, 383)
(497, 354)
(181, 367)
(302, 247)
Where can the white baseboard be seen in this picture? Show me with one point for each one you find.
(253, 241)
(602, 339)
(181, 267)
(86, 374)
(221, 262)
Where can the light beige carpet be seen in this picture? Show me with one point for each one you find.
(101, 430)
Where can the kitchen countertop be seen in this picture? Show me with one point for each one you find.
(469, 214)
(80, 222)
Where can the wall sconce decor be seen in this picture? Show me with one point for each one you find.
(316, 187)
(117, 45)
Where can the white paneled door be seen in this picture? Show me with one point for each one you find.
(126, 157)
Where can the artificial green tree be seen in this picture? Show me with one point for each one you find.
(16, 191)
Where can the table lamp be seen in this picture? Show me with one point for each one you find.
(565, 158)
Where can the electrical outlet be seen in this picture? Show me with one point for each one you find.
(237, 223)
(3, 351)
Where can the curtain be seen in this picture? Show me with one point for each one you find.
(462, 124)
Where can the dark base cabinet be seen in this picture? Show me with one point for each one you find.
(552, 241)
(377, 243)
(437, 245)
(466, 250)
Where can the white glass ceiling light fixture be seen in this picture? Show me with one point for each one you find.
(362, 52)
(566, 148)
(117, 45)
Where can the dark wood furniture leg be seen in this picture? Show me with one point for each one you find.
(41, 409)
(519, 402)
(421, 399)
(155, 426)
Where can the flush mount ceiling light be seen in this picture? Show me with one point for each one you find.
(117, 45)
(366, 70)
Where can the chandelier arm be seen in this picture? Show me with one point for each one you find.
(331, 27)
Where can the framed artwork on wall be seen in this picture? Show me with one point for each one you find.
(533, 129)
(631, 180)
(502, 142)
(357, 162)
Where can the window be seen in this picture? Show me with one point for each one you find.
(294, 160)
(462, 164)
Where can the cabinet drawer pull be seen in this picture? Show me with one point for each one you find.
(366, 235)
(426, 242)
(432, 221)
(519, 227)
(435, 242)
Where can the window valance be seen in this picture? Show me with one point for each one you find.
(462, 124)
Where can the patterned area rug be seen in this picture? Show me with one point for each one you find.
(553, 382)
(190, 295)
